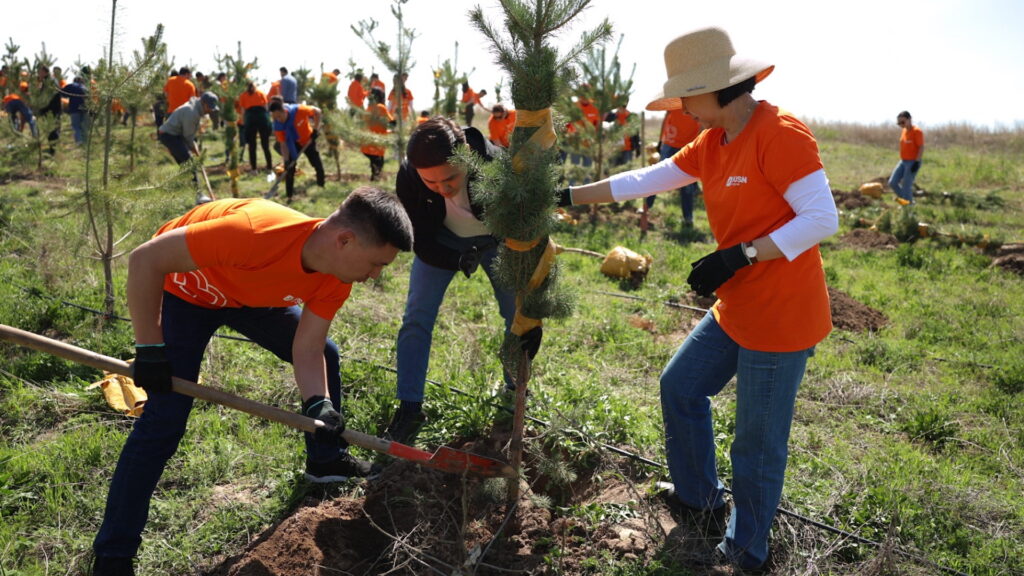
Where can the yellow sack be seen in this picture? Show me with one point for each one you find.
(122, 394)
(624, 263)
(872, 189)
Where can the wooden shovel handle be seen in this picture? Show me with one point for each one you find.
(96, 360)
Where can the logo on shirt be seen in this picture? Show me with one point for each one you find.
(735, 181)
(197, 286)
(294, 300)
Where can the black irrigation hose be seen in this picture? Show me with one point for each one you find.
(630, 455)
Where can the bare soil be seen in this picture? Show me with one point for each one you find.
(867, 239)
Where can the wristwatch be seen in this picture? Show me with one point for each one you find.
(750, 252)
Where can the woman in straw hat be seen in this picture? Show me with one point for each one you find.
(768, 205)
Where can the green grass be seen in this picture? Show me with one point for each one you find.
(913, 435)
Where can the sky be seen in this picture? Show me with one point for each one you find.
(946, 61)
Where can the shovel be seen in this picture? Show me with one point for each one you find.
(278, 177)
(445, 459)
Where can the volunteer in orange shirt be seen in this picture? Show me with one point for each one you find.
(911, 150)
(406, 99)
(296, 127)
(769, 205)
(256, 120)
(677, 130)
(377, 121)
(470, 100)
(376, 82)
(179, 89)
(501, 124)
(275, 276)
(357, 94)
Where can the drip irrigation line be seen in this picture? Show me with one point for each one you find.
(625, 453)
(665, 302)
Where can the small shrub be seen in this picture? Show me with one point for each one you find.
(1010, 380)
(931, 424)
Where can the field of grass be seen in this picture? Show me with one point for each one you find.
(911, 437)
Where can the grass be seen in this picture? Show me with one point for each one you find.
(912, 436)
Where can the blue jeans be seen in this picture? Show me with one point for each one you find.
(902, 180)
(580, 160)
(79, 124)
(766, 386)
(427, 286)
(686, 193)
(156, 434)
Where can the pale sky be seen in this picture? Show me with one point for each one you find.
(945, 61)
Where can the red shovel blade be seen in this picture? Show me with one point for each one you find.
(454, 461)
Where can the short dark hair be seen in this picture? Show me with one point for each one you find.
(284, 70)
(904, 114)
(376, 216)
(275, 105)
(377, 95)
(727, 95)
(433, 142)
(184, 70)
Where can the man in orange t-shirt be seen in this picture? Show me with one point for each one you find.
(179, 89)
(911, 151)
(296, 127)
(275, 276)
(470, 100)
(500, 125)
(769, 206)
(357, 94)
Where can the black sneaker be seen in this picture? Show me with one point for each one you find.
(711, 523)
(106, 566)
(340, 470)
(405, 426)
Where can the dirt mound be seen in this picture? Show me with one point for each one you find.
(415, 520)
(851, 200)
(849, 314)
(1013, 262)
(867, 239)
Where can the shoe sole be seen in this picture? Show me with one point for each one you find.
(325, 479)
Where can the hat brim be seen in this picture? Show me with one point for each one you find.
(701, 82)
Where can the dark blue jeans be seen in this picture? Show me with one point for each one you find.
(154, 438)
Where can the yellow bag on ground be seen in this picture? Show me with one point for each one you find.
(624, 263)
(872, 189)
(122, 394)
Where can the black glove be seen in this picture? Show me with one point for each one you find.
(915, 166)
(565, 197)
(314, 135)
(469, 261)
(151, 371)
(320, 408)
(713, 270)
(530, 342)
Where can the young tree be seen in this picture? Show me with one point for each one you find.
(399, 65)
(519, 188)
(237, 71)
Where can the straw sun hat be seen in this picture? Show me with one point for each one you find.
(704, 61)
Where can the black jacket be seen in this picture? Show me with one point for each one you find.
(426, 209)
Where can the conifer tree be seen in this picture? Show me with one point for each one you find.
(237, 70)
(519, 188)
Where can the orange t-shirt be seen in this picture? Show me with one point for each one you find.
(178, 89)
(471, 97)
(331, 77)
(249, 253)
(275, 89)
(678, 129)
(247, 100)
(622, 118)
(911, 142)
(775, 305)
(406, 101)
(356, 94)
(378, 84)
(303, 127)
(377, 119)
(500, 129)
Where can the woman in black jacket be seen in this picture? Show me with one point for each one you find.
(450, 237)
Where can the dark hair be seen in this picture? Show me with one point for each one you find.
(184, 70)
(358, 76)
(904, 114)
(498, 109)
(275, 105)
(433, 142)
(376, 216)
(284, 70)
(377, 95)
(727, 95)
(250, 87)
